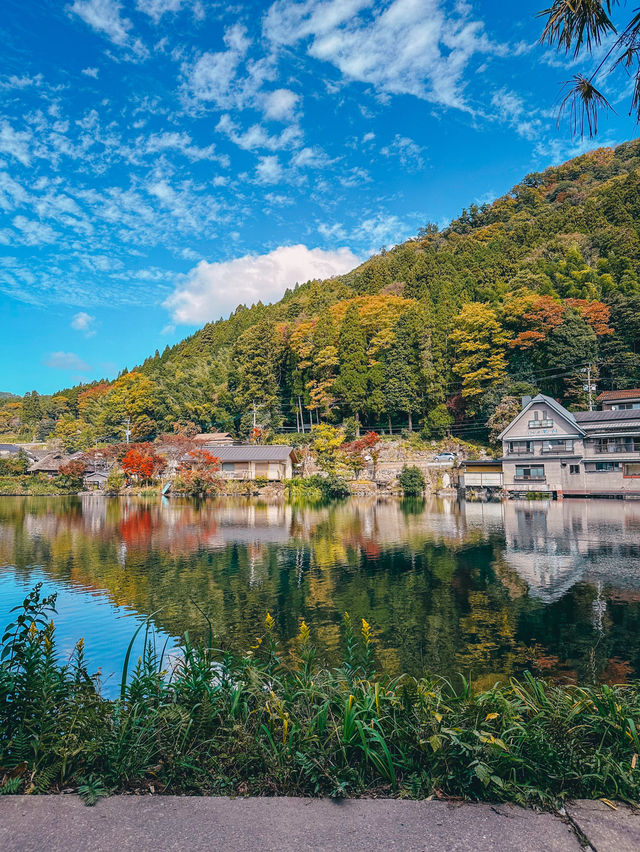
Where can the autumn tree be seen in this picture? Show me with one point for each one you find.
(133, 397)
(479, 358)
(326, 441)
(71, 474)
(507, 409)
(142, 462)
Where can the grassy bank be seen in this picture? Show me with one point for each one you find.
(276, 721)
(34, 486)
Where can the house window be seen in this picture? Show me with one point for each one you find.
(574, 468)
(624, 406)
(632, 469)
(603, 467)
(520, 447)
(228, 467)
(528, 472)
(540, 420)
(557, 446)
(617, 445)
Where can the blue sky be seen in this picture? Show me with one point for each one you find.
(162, 161)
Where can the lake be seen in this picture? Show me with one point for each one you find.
(487, 589)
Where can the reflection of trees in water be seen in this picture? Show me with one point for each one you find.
(443, 587)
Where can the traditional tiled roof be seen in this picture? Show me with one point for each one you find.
(607, 416)
(612, 396)
(253, 453)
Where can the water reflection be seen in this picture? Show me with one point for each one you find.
(483, 588)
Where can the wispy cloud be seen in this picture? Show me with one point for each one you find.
(67, 361)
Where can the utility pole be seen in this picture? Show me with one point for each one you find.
(589, 387)
(127, 429)
(254, 414)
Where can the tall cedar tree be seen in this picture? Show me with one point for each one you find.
(351, 384)
(402, 369)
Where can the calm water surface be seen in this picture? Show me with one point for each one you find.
(484, 589)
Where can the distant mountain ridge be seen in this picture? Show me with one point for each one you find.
(520, 293)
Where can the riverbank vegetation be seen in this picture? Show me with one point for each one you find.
(278, 721)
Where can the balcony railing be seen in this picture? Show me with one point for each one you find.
(520, 452)
(619, 447)
(556, 450)
(529, 478)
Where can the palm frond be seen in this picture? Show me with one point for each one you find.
(584, 102)
(574, 24)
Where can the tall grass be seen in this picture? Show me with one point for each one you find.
(276, 721)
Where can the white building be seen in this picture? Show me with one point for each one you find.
(584, 453)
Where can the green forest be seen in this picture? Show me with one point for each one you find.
(442, 333)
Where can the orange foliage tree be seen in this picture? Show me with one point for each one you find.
(142, 462)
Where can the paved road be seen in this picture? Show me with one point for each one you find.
(159, 823)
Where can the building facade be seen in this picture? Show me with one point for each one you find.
(272, 462)
(549, 449)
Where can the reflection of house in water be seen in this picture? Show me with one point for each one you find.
(554, 545)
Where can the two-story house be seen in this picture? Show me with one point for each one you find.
(619, 400)
(549, 449)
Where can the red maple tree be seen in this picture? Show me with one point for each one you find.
(142, 461)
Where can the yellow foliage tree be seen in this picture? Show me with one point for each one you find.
(479, 358)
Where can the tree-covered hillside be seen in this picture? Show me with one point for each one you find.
(518, 295)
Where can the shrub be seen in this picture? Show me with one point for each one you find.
(114, 482)
(412, 481)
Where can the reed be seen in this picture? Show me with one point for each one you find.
(276, 721)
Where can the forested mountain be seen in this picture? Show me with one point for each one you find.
(513, 296)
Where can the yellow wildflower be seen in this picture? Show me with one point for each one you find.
(269, 622)
(304, 634)
(366, 631)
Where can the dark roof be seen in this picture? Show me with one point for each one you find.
(9, 448)
(610, 396)
(607, 416)
(253, 453)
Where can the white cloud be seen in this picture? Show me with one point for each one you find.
(510, 109)
(257, 137)
(406, 150)
(14, 143)
(410, 47)
(213, 77)
(67, 361)
(212, 290)
(34, 233)
(104, 17)
(83, 322)
(90, 72)
(280, 105)
(268, 170)
(157, 8)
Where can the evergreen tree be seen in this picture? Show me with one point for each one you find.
(402, 369)
(351, 384)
